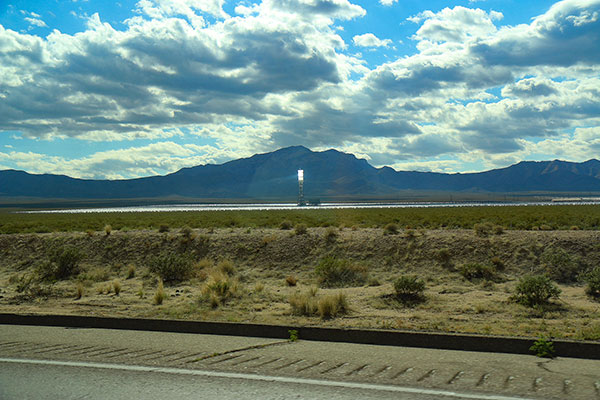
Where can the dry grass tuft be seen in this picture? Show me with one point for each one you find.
(160, 295)
(291, 280)
(117, 287)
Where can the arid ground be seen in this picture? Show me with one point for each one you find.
(262, 269)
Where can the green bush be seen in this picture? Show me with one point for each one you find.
(172, 267)
(483, 229)
(300, 229)
(335, 272)
(543, 348)
(409, 287)
(593, 283)
(477, 271)
(560, 265)
(163, 228)
(63, 263)
(533, 290)
(390, 229)
(286, 225)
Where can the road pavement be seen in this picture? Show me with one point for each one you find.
(273, 368)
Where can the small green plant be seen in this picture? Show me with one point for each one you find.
(533, 290)
(159, 295)
(286, 225)
(409, 287)
(172, 267)
(293, 335)
(300, 229)
(543, 348)
(390, 229)
(117, 287)
(593, 283)
(336, 272)
(473, 271)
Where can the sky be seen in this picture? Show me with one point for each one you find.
(117, 90)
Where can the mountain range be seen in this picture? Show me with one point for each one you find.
(328, 174)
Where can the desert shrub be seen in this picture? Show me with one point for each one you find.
(186, 232)
(107, 229)
(163, 228)
(497, 263)
(291, 280)
(300, 229)
(130, 271)
(331, 234)
(498, 229)
(219, 288)
(559, 265)
(226, 267)
(593, 283)
(63, 263)
(303, 304)
(172, 267)
(79, 291)
(443, 256)
(390, 229)
(545, 227)
(533, 290)
(331, 306)
(117, 287)
(477, 271)
(159, 295)
(483, 229)
(286, 225)
(335, 272)
(89, 233)
(408, 287)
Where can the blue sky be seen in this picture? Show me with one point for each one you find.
(97, 89)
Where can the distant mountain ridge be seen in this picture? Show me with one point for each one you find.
(327, 174)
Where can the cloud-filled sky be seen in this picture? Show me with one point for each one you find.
(97, 89)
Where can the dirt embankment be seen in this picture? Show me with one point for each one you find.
(263, 258)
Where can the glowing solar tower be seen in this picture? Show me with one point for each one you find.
(301, 187)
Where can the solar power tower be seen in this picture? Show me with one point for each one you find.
(301, 201)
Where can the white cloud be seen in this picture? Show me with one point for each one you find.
(36, 22)
(370, 40)
(387, 2)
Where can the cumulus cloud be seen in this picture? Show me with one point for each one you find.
(387, 2)
(370, 40)
(278, 73)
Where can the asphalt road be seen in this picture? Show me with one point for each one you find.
(102, 363)
(27, 379)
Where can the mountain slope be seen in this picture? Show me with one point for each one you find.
(327, 173)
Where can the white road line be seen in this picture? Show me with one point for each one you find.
(264, 378)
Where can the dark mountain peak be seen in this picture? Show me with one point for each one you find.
(329, 173)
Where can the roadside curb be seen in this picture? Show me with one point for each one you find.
(442, 341)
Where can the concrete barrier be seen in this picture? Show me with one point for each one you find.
(444, 341)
